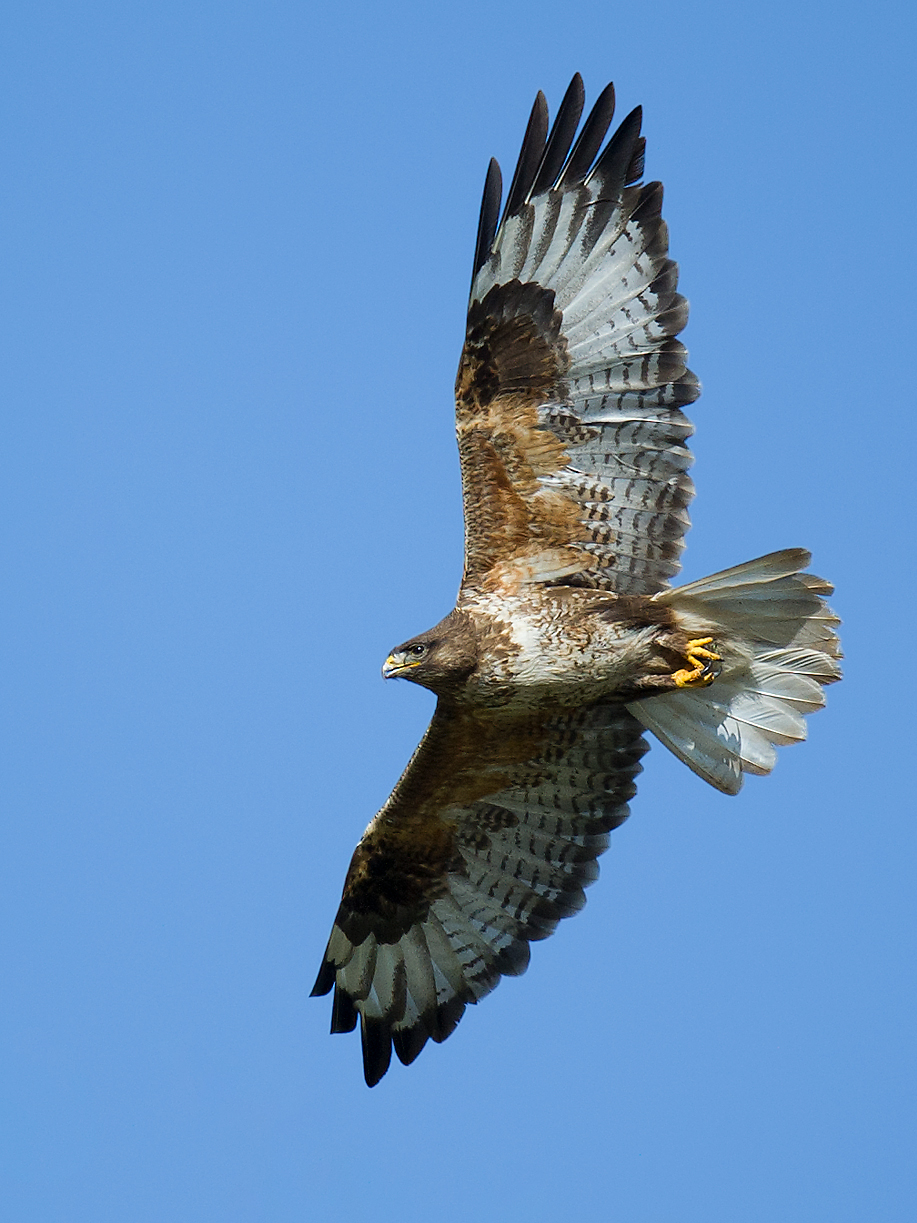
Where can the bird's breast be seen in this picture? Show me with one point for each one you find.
(553, 651)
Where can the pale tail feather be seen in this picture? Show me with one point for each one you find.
(777, 639)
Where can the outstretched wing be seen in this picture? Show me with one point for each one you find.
(571, 381)
(486, 843)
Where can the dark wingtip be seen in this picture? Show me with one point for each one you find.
(546, 159)
(376, 1037)
(637, 163)
(324, 980)
(408, 1043)
(590, 138)
(489, 215)
(621, 155)
(530, 155)
(561, 137)
(343, 1013)
(446, 1019)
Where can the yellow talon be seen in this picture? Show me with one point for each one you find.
(700, 658)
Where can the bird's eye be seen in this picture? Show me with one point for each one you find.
(417, 651)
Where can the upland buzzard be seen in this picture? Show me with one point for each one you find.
(566, 642)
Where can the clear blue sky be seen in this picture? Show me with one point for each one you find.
(237, 248)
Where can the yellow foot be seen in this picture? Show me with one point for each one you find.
(702, 671)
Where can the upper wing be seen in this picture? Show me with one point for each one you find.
(486, 843)
(570, 385)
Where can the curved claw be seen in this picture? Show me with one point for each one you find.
(702, 670)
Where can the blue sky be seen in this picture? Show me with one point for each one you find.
(237, 248)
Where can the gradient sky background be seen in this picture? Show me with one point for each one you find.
(237, 248)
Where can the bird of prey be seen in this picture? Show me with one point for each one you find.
(566, 642)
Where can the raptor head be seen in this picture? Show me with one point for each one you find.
(439, 659)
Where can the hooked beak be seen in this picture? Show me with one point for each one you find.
(397, 664)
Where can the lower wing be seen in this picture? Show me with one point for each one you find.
(487, 842)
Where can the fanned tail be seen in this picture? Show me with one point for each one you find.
(776, 636)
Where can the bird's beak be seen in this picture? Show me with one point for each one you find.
(398, 664)
(392, 666)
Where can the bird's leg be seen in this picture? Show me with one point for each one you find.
(703, 669)
(703, 666)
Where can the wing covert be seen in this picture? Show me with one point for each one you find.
(571, 385)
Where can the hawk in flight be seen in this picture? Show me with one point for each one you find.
(566, 642)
